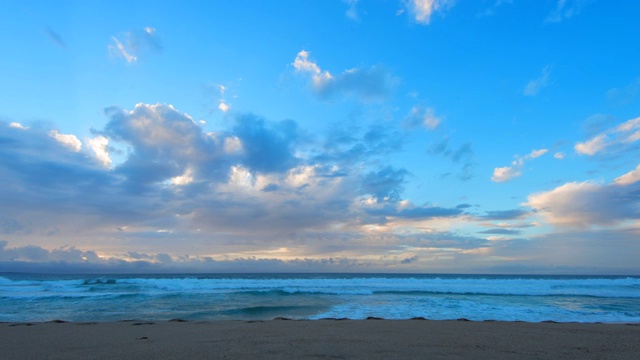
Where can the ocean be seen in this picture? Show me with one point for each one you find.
(315, 296)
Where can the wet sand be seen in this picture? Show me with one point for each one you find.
(319, 339)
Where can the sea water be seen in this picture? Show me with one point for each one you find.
(316, 296)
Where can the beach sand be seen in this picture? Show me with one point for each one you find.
(319, 339)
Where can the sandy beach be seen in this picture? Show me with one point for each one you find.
(304, 339)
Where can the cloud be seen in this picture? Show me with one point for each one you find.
(597, 123)
(592, 146)
(384, 185)
(129, 45)
(33, 253)
(566, 9)
(69, 140)
(55, 37)
(152, 184)
(303, 64)
(223, 106)
(163, 143)
(534, 86)
(352, 11)
(220, 95)
(629, 178)
(118, 49)
(346, 146)
(616, 139)
(504, 214)
(422, 116)
(507, 173)
(422, 10)
(99, 146)
(585, 204)
(374, 83)
(414, 212)
(16, 125)
(501, 231)
(464, 155)
(559, 155)
(493, 8)
(267, 147)
(625, 95)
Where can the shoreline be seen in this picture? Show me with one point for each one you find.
(374, 338)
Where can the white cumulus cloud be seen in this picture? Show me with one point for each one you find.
(16, 125)
(506, 173)
(223, 106)
(99, 147)
(68, 140)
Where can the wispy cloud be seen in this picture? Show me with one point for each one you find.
(55, 37)
(493, 8)
(422, 116)
(534, 86)
(352, 11)
(624, 95)
(616, 139)
(507, 173)
(128, 45)
(629, 178)
(462, 155)
(566, 9)
(423, 10)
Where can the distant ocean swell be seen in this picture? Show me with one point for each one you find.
(314, 296)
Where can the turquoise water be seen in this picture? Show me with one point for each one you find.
(315, 296)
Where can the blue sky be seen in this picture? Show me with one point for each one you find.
(461, 136)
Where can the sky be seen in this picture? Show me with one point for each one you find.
(417, 136)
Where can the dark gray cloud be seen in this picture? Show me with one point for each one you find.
(347, 146)
(32, 253)
(501, 231)
(385, 185)
(409, 260)
(504, 214)
(461, 156)
(268, 147)
(414, 213)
